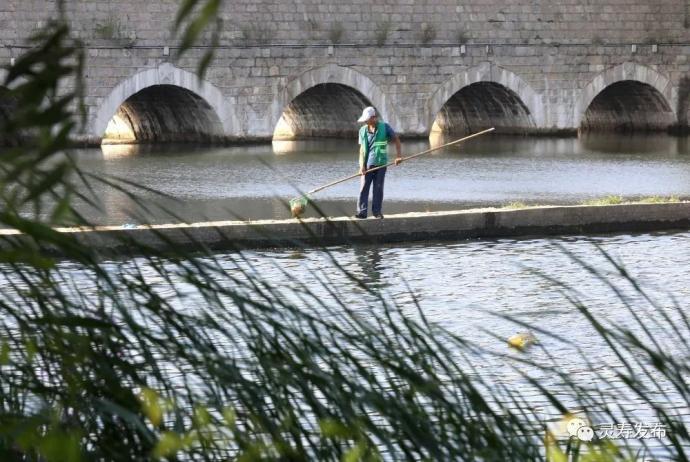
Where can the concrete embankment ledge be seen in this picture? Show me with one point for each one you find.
(411, 227)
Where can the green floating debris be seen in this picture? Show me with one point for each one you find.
(298, 205)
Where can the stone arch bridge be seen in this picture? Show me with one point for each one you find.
(448, 66)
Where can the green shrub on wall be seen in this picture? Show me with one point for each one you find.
(383, 30)
(257, 33)
(427, 33)
(112, 30)
(336, 33)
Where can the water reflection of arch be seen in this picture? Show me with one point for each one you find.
(627, 97)
(152, 86)
(508, 92)
(327, 101)
(631, 144)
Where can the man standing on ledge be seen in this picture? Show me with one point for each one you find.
(373, 152)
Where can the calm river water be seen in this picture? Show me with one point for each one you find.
(469, 286)
(472, 287)
(256, 181)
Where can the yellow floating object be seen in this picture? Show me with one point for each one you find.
(522, 340)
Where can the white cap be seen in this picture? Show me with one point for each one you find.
(367, 114)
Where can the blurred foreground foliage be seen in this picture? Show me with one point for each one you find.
(177, 357)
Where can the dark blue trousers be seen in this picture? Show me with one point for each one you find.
(376, 178)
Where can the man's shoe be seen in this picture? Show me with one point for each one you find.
(378, 216)
(359, 216)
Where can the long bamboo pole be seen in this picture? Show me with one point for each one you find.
(403, 160)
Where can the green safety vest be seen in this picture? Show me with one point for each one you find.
(380, 144)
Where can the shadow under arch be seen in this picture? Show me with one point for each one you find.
(163, 104)
(627, 97)
(327, 101)
(508, 101)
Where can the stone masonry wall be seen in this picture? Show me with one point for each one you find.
(407, 57)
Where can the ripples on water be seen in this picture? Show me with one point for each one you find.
(471, 287)
(468, 287)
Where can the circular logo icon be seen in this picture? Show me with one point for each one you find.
(574, 425)
(585, 433)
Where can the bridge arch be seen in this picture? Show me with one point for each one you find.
(629, 96)
(327, 101)
(508, 92)
(162, 85)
